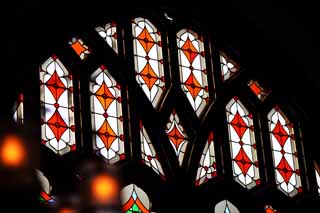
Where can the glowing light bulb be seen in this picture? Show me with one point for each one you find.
(12, 151)
(66, 210)
(104, 189)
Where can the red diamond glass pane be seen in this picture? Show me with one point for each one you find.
(284, 153)
(242, 144)
(193, 71)
(260, 92)
(57, 114)
(106, 116)
(148, 59)
(109, 34)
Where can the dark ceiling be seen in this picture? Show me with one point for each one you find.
(278, 40)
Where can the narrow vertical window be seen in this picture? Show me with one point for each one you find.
(284, 152)
(317, 178)
(80, 48)
(134, 199)
(177, 136)
(242, 144)
(148, 59)
(228, 66)
(225, 206)
(107, 121)
(207, 168)
(148, 153)
(109, 34)
(192, 66)
(57, 109)
(18, 110)
(259, 91)
(269, 209)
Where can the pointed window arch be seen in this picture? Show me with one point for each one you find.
(228, 66)
(107, 120)
(57, 108)
(148, 59)
(225, 206)
(284, 153)
(242, 144)
(109, 34)
(134, 199)
(193, 71)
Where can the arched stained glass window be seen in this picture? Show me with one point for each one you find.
(192, 66)
(46, 188)
(284, 152)
(177, 136)
(225, 206)
(107, 118)
(148, 153)
(80, 48)
(148, 59)
(269, 209)
(228, 66)
(208, 167)
(109, 34)
(242, 144)
(57, 108)
(18, 110)
(134, 199)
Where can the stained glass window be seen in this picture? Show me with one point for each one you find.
(228, 66)
(242, 144)
(225, 206)
(109, 34)
(284, 152)
(259, 91)
(317, 178)
(207, 168)
(192, 66)
(148, 59)
(57, 109)
(80, 48)
(177, 137)
(148, 153)
(269, 209)
(134, 199)
(107, 120)
(46, 188)
(18, 113)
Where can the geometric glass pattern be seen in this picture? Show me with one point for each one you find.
(79, 47)
(148, 59)
(57, 108)
(177, 136)
(269, 209)
(148, 153)
(260, 92)
(46, 188)
(228, 66)
(208, 167)
(109, 34)
(18, 113)
(134, 200)
(242, 144)
(106, 116)
(284, 153)
(192, 66)
(318, 178)
(225, 206)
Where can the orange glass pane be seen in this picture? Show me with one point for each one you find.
(80, 48)
(260, 92)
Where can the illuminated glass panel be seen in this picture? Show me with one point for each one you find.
(207, 168)
(18, 113)
(259, 91)
(80, 48)
(148, 59)
(269, 209)
(242, 144)
(134, 199)
(177, 136)
(148, 153)
(109, 34)
(284, 152)
(46, 188)
(57, 109)
(318, 178)
(225, 206)
(107, 121)
(228, 66)
(192, 66)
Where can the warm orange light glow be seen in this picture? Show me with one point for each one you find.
(13, 152)
(104, 189)
(66, 210)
